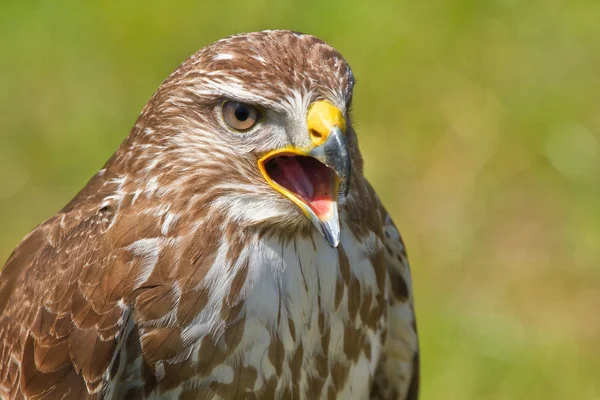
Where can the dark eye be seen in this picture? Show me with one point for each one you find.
(240, 116)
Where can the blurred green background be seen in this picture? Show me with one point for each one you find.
(479, 122)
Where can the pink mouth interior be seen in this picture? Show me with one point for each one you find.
(307, 178)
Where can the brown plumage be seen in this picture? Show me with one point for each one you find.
(210, 261)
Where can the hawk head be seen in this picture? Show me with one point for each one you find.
(255, 125)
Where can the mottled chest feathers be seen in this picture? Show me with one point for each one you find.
(298, 317)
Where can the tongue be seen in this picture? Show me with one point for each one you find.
(314, 183)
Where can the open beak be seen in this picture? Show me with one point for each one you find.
(313, 177)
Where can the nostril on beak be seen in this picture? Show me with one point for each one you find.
(316, 137)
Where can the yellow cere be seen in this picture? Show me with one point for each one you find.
(321, 118)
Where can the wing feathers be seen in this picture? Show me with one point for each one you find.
(60, 293)
(397, 376)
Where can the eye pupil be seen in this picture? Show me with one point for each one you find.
(241, 113)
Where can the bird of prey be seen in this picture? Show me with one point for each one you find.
(231, 248)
